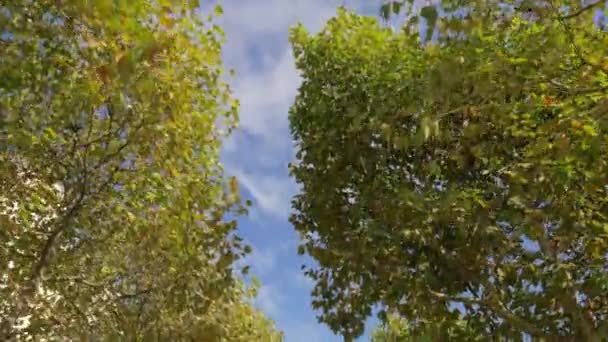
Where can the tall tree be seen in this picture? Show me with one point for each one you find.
(112, 199)
(465, 179)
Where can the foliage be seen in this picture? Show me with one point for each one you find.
(112, 199)
(459, 180)
(396, 329)
(392, 330)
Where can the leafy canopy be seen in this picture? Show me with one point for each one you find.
(460, 180)
(112, 199)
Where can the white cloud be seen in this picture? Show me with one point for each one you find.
(300, 280)
(289, 244)
(262, 25)
(265, 99)
(271, 15)
(262, 261)
(272, 194)
(269, 300)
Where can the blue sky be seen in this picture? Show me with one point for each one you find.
(266, 83)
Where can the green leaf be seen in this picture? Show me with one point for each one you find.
(429, 13)
(218, 10)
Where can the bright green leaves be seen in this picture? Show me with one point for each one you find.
(465, 171)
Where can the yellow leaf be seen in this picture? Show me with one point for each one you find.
(167, 21)
(233, 185)
(173, 172)
(119, 57)
(92, 42)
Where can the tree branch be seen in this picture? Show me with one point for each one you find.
(496, 306)
(135, 294)
(571, 37)
(577, 91)
(82, 281)
(46, 249)
(582, 10)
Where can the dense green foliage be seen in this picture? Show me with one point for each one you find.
(467, 173)
(112, 199)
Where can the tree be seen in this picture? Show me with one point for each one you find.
(112, 199)
(462, 179)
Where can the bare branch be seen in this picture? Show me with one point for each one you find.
(582, 10)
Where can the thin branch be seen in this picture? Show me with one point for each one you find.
(582, 10)
(140, 312)
(135, 294)
(80, 313)
(102, 138)
(82, 281)
(496, 306)
(575, 91)
(571, 37)
(66, 219)
(46, 249)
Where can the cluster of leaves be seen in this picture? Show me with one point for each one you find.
(392, 329)
(112, 199)
(396, 329)
(462, 180)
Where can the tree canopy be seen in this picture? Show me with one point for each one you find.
(113, 204)
(464, 179)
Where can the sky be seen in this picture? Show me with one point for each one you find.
(258, 152)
